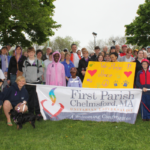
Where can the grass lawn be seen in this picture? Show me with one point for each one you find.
(75, 135)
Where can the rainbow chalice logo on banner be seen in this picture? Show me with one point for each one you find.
(57, 107)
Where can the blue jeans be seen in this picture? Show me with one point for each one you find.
(12, 78)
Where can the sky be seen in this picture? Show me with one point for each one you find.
(79, 18)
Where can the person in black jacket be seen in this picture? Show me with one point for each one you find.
(12, 69)
(97, 51)
(15, 97)
(83, 63)
(138, 64)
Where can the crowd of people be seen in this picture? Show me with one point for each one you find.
(63, 68)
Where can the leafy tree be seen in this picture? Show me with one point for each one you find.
(26, 22)
(60, 43)
(138, 32)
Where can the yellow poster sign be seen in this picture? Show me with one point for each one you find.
(109, 75)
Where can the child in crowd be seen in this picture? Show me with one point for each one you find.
(74, 81)
(32, 71)
(55, 74)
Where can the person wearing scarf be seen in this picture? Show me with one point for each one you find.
(12, 69)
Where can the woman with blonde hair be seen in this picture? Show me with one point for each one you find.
(15, 97)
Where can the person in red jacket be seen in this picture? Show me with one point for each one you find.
(143, 82)
(74, 56)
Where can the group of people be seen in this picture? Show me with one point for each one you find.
(63, 68)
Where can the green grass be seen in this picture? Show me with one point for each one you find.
(75, 135)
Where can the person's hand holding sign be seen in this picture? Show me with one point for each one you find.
(144, 89)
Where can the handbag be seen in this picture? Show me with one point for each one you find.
(19, 73)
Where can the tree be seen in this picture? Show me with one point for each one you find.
(138, 32)
(26, 22)
(60, 43)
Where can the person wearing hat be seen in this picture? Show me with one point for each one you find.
(65, 50)
(135, 53)
(124, 50)
(143, 82)
(55, 74)
(74, 80)
(112, 49)
(48, 51)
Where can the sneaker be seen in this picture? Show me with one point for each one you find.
(39, 117)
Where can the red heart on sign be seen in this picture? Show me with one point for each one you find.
(92, 72)
(53, 114)
(128, 73)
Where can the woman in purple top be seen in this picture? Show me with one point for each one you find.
(83, 63)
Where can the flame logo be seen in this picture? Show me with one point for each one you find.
(52, 96)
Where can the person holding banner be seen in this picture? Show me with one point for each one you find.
(114, 57)
(55, 74)
(100, 58)
(143, 82)
(138, 64)
(128, 57)
(83, 63)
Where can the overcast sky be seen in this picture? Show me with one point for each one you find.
(79, 18)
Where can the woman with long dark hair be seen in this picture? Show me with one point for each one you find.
(15, 65)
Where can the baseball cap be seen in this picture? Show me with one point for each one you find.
(124, 45)
(136, 50)
(148, 47)
(112, 47)
(65, 50)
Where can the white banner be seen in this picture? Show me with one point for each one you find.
(114, 105)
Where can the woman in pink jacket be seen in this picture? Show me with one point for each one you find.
(55, 74)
